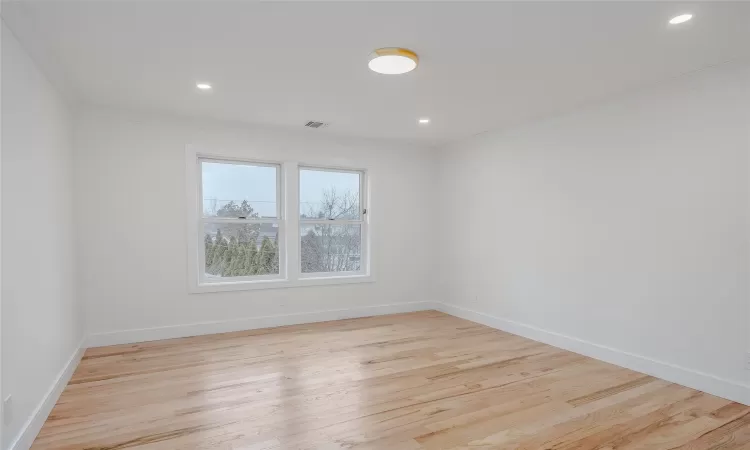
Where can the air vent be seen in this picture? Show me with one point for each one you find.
(316, 124)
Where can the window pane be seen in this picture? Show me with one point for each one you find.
(240, 250)
(330, 248)
(238, 190)
(328, 194)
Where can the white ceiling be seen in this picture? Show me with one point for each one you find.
(483, 65)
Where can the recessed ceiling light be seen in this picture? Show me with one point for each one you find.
(393, 61)
(682, 18)
(203, 86)
(424, 121)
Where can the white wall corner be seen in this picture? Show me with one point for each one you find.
(34, 424)
(694, 379)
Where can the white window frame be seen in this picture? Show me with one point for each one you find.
(278, 221)
(362, 222)
(288, 219)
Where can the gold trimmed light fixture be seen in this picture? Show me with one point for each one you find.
(393, 61)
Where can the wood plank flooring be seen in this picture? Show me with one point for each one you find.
(422, 380)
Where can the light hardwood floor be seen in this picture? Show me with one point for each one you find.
(410, 381)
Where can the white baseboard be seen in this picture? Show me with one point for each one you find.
(34, 424)
(701, 381)
(251, 323)
(687, 377)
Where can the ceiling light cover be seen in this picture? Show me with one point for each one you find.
(393, 61)
(203, 86)
(424, 121)
(682, 18)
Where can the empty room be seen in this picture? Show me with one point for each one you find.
(271, 225)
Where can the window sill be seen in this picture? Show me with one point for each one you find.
(279, 284)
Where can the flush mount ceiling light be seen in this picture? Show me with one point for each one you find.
(682, 18)
(203, 86)
(393, 61)
(424, 121)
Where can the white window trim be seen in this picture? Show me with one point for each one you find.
(289, 225)
(362, 222)
(278, 220)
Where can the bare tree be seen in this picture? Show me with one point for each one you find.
(335, 247)
(334, 205)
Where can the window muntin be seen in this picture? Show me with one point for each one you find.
(332, 222)
(240, 225)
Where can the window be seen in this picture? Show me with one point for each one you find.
(331, 222)
(240, 221)
(258, 225)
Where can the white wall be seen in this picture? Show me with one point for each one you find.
(131, 212)
(41, 326)
(624, 224)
